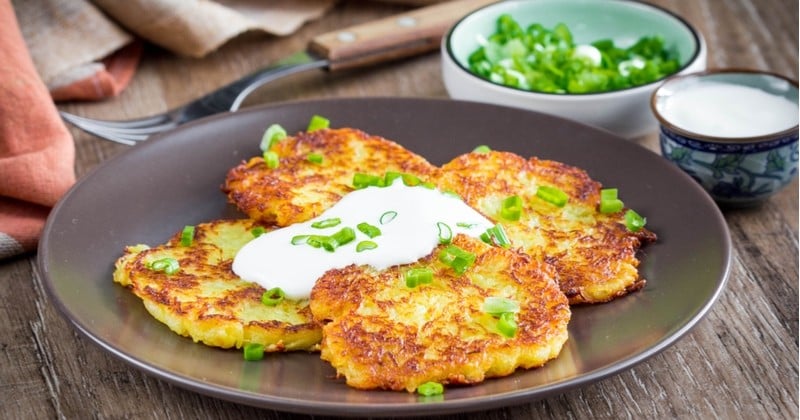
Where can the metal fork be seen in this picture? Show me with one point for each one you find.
(227, 98)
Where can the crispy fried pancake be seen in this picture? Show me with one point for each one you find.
(206, 301)
(379, 333)
(594, 253)
(298, 190)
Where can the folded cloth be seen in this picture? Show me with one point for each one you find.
(36, 151)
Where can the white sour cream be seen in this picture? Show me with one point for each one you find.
(728, 110)
(272, 261)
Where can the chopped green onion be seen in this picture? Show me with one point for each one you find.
(300, 239)
(168, 265)
(429, 389)
(273, 296)
(315, 158)
(417, 276)
(445, 233)
(187, 236)
(322, 224)
(390, 176)
(411, 180)
(253, 352)
(257, 231)
(365, 245)
(552, 195)
(482, 149)
(361, 180)
(318, 123)
(271, 159)
(633, 221)
(609, 203)
(511, 209)
(496, 235)
(507, 325)
(466, 225)
(368, 229)
(316, 241)
(458, 259)
(428, 185)
(388, 217)
(344, 236)
(495, 305)
(272, 135)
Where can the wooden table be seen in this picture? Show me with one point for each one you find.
(739, 362)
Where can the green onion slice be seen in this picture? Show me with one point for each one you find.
(496, 305)
(482, 149)
(390, 176)
(187, 235)
(411, 180)
(271, 159)
(552, 195)
(417, 276)
(300, 239)
(387, 217)
(253, 352)
(429, 389)
(507, 325)
(365, 246)
(445, 233)
(272, 135)
(273, 296)
(634, 221)
(496, 236)
(257, 231)
(368, 229)
(466, 225)
(344, 236)
(168, 265)
(456, 258)
(317, 123)
(322, 224)
(609, 203)
(315, 158)
(362, 180)
(511, 208)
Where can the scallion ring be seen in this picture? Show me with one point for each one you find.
(362, 180)
(257, 231)
(456, 258)
(168, 265)
(273, 296)
(387, 217)
(634, 221)
(317, 123)
(552, 195)
(368, 229)
(315, 158)
(417, 276)
(429, 389)
(445, 233)
(507, 325)
(365, 246)
(496, 305)
(273, 134)
(271, 159)
(322, 224)
(253, 352)
(609, 202)
(187, 235)
(482, 149)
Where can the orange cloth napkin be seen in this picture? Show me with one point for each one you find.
(36, 150)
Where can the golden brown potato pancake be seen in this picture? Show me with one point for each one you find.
(206, 301)
(380, 333)
(594, 253)
(298, 190)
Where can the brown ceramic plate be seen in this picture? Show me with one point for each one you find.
(151, 191)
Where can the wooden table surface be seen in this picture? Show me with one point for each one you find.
(740, 361)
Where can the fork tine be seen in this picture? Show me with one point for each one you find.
(124, 132)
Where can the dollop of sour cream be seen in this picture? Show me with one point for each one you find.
(271, 260)
(729, 110)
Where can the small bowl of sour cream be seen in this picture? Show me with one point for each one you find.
(733, 131)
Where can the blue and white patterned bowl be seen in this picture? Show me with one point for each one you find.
(736, 171)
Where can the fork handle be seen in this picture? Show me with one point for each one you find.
(399, 36)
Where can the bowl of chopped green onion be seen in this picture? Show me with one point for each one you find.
(593, 61)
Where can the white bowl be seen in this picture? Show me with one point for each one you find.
(624, 112)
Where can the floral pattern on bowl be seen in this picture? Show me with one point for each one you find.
(738, 174)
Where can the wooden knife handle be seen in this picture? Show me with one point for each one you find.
(407, 34)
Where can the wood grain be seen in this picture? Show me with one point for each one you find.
(740, 362)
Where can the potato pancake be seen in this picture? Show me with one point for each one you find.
(299, 189)
(379, 333)
(205, 300)
(594, 253)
